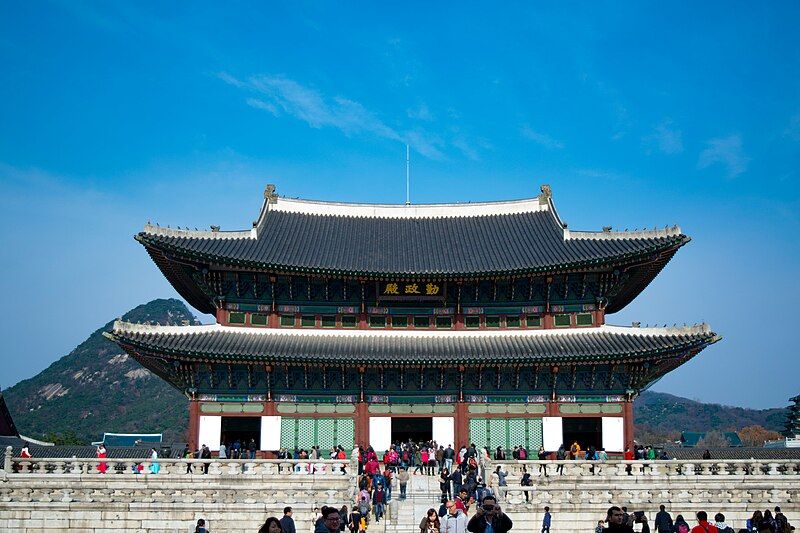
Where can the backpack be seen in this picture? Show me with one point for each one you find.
(363, 508)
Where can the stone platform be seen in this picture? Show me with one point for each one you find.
(47, 495)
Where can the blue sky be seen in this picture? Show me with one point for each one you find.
(638, 114)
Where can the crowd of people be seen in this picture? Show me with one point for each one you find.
(619, 520)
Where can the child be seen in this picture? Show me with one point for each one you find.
(599, 528)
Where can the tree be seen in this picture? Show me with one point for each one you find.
(68, 438)
(713, 439)
(756, 435)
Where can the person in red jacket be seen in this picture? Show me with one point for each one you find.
(628, 455)
(702, 524)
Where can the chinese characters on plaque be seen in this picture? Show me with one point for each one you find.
(411, 290)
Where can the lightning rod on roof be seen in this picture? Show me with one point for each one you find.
(408, 175)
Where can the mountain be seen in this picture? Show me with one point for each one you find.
(665, 414)
(98, 388)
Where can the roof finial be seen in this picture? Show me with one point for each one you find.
(269, 193)
(546, 195)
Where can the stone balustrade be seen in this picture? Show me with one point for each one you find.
(650, 469)
(50, 495)
(180, 467)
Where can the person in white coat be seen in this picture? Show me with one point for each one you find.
(455, 521)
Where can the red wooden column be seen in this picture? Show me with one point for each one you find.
(362, 424)
(627, 415)
(194, 425)
(462, 425)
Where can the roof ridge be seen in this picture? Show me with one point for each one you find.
(607, 234)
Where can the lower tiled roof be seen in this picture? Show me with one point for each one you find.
(608, 343)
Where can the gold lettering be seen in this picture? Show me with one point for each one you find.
(431, 288)
(412, 288)
(391, 288)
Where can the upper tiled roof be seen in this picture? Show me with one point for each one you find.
(446, 240)
(607, 343)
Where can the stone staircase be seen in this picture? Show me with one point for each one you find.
(422, 494)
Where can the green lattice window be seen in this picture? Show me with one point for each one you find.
(561, 321)
(328, 321)
(533, 321)
(444, 322)
(302, 433)
(308, 321)
(399, 321)
(377, 321)
(492, 321)
(494, 432)
(472, 322)
(287, 321)
(422, 321)
(512, 322)
(349, 321)
(584, 319)
(258, 319)
(236, 317)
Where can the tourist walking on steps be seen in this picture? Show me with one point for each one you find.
(489, 517)
(449, 455)
(444, 483)
(402, 478)
(458, 480)
(617, 524)
(454, 521)
(702, 524)
(526, 481)
(430, 522)
(271, 525)
(287, 522)
(378, 501)
(330, 521)
(546, 520)
(680, 525)
(663, 521)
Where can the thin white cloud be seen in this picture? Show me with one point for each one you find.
(726, 151)
(792, 130)
(279, 95)
(420, 113)
(540, 138)
(665, 138)
(260, 104)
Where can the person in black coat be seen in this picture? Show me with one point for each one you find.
(287, 522)
(457, 480)
(490, 513)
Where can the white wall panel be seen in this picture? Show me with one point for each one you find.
(614, 434)
(270, 433)
(380, 432)
(552, 432)
(444, 430)
(210, 432)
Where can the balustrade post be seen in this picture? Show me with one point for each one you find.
(7, 459)
(688, 469)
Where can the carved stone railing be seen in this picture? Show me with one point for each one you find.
(650, 469)
(180, 467)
